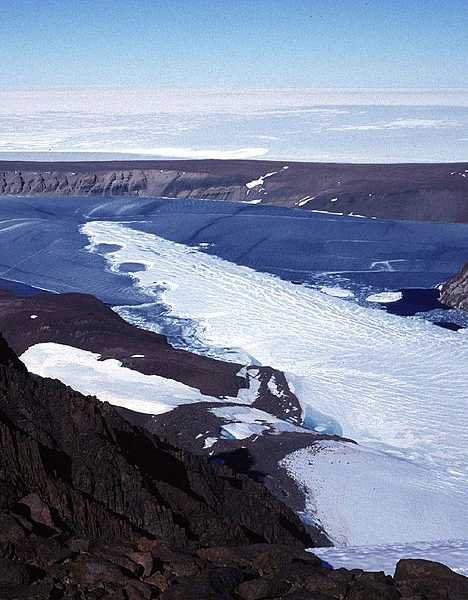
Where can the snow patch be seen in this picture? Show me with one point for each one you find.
(109, 380)
(363, 496)
(327, 212)
(305, 200)
(209, 441)
(260, 181)
(244, 422)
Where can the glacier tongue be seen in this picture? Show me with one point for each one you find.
(398, 386)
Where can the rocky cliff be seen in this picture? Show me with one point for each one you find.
(454, 292)
(427, 192)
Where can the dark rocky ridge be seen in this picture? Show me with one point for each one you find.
(454, 292)
(83, 321)
(105, 477)
(93, 508)
(426, 192)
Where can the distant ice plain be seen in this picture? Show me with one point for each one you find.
(306, 125)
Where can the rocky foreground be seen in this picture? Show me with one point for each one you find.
(425, 192)
(93, 507)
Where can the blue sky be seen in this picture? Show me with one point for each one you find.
(242, 43)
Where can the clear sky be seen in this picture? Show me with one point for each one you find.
(242, 43)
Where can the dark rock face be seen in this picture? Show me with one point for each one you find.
(105, 477)
(92, 507)
(454, 292)
(259, 456)
(426, 192)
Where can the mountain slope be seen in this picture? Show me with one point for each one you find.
(425, 192)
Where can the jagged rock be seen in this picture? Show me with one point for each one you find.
(263, 587)
(39, 512)
(454, 292)
(13, 573)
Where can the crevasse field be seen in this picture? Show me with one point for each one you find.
(305, 298)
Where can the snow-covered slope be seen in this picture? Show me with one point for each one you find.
(363, 496)
(397, 386)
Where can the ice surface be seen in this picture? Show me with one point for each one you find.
(363, 496)
(306, 124)
(453, 553)
(384, 297)
(245, 421)
(337, 292)
(396, 385)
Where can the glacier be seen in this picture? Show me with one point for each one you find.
(397, 386)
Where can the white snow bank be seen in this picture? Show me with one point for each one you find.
(109, 380)
(385, 297)
(453, 553)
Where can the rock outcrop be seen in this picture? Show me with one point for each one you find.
(92, 507)
(454, 292)
(105, 477)
(82, 321)
(426, 192)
